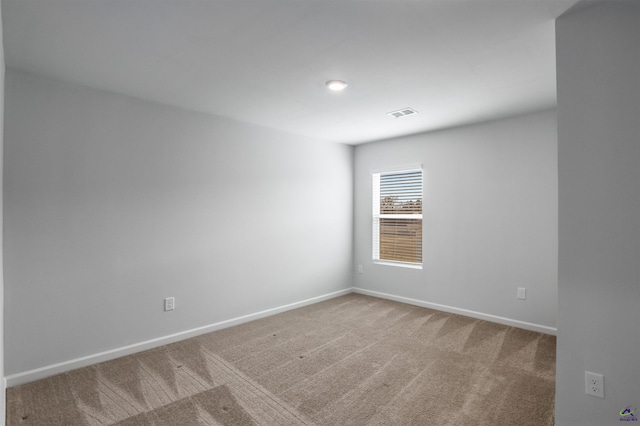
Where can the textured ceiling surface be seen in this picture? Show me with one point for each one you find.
(266, 61)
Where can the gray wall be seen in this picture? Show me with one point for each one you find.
(2, 384)
(113, 203)
(490, 217)
(598, 51)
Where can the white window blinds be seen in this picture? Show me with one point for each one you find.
(397, 216)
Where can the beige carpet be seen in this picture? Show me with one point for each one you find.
(353, 360)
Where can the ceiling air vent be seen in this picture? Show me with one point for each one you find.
(402, 112)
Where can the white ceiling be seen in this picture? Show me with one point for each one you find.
(266, 61)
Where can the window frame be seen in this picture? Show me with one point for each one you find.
(377, 216)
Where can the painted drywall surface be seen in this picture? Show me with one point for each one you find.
(490, 217)
(2, 385)
(598, 51)
(113, 203)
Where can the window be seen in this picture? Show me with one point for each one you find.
(397, 217)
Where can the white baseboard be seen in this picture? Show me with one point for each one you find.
(473, 314)
(50, 370)
(3, 403)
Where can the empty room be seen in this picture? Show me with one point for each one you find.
(320, 212)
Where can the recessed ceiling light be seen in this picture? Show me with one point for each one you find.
(336, 85)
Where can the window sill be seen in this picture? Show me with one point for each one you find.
(398, 264)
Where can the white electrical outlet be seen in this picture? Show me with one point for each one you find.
(169, 303)
(360, 270)
(522, 293)
(594, 384)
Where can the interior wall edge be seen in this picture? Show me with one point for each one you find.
(460, 311)
(62, 367)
